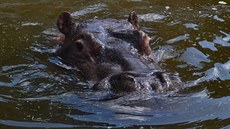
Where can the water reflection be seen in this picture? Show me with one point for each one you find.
(207, 44)
(172, 110)
(90, 9)
(191, 25)
(194, 57)
(151, 17)
(219, 71)
(179, 38)
(225, 41)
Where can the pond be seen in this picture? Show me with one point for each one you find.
(38, 91)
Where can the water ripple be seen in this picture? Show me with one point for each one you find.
(178, 38)
(219, 71)
(90, 9)
(152, 17)
(191, 25)
(207, 44)
(194, 57)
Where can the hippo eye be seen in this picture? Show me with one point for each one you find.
(79, 46)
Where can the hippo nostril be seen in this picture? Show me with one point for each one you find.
(126, 77)
(131, 79)
(80, 46)
(123, 83)
(160, 76)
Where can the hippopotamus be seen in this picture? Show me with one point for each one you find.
(114, 54)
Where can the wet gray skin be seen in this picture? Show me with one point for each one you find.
(113, 54)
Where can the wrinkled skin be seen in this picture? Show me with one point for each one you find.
(111, 53)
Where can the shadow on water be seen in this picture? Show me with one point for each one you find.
(38, 91)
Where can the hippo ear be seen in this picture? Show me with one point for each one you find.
(144, 44)
(133, 19)
(64, 22)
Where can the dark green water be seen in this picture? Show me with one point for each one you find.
(38, 91)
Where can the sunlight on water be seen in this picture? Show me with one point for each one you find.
(191, 25)
(219, 71)
(179, 38)
(151, 17)
(207, 44)
(194, 57)
(90, 9)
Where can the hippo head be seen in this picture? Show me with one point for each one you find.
(106, 58)
(79, 47)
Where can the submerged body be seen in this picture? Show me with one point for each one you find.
(111, 53)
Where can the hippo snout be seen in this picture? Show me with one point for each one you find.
(130, 81)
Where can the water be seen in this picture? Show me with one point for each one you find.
(38, 91)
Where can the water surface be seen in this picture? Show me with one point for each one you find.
(38, 91)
